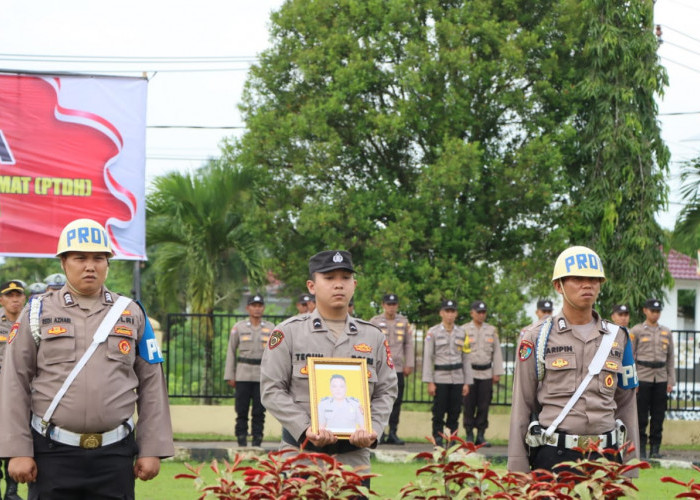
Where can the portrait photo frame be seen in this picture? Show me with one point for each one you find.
(339, 395)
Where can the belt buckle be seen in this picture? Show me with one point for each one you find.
(90, 441)
(584, 441)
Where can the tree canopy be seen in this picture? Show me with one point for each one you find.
(455, 148)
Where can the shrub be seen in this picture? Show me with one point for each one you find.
(693, 488)
(282, 475)
(445, 478)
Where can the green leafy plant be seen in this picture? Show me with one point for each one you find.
(281, 475)
(449, 476)
(693, 488)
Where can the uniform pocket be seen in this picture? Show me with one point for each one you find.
(561, 373)
(300, 382)
(57, 343)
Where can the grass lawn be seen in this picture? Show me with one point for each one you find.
(393, 477)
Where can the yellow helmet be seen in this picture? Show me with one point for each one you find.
(578, 261)
(83, 235)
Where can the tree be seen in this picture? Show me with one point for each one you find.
(618, 158)
(435, 140)
(201, 240)
(686, 233)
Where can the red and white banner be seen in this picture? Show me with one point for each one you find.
(71, 147)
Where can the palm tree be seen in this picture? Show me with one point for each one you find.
(686, 233)
(199, 233)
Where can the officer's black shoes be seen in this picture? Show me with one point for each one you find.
(438, 441)
(392, 438)
(480, 439)
(643, 454)
(242, 441)
(654, 453)
(470, 436)
(257, 441)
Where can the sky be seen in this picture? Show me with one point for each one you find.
(196, 56)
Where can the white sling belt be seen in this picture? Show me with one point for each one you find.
(100, 336)
(593, 369)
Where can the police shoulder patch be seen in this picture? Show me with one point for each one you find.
(525, 350)
(276, 338)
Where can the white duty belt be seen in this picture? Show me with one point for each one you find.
(100, 336)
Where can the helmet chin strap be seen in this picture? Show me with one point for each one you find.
(566, 298)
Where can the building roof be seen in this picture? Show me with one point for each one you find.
(682, 267)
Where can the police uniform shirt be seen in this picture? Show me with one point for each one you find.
(446, 349)
(485, 350)
(399, 333)
(250, 341)
(284, 377)
(5, 327)
(609, 395)
(340, 416)
(104, 393)
(653, 344)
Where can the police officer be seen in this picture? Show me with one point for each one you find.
(12, 301)
(399, 334)
(447, 369)
(554, 357)
(249, 338)
(327, 332)
(339, 412)
(653, 350)
(487, 366)
(302, 303)
(75, 437)
(36, 289)
(55, 281)
(621, 315)
(544, 308)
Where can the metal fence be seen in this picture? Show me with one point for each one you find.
(195, 345)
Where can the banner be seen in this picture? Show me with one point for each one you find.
(71, 147)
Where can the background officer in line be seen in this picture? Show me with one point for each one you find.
(302, 303)
(653, 350)
(544, 309)
(327, 332)
(399, 334)
(447, 369)
(87, 448)
(549, 369)
(12, 301)
(245, 349)
(621, 316)
(487, 368)
(55, 281)
(36, 289)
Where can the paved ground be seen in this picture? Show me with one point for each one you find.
(207, 450)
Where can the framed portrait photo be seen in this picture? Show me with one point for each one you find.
(339, 395)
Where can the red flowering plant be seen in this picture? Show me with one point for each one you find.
(281, 475)
(449, 475)
(693, 488)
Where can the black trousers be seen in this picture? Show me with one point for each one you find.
(476, 404)
(396, 409)
(72, 473)
(448, 400)
(548, 457)
(245, 393)
(651, 401)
